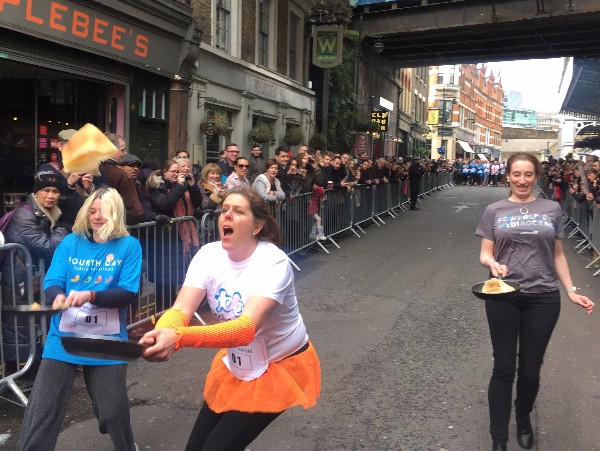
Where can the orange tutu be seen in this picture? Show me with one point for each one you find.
(290, 382)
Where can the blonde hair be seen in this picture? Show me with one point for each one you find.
(181, 160)
(210, 167)
(113, 210)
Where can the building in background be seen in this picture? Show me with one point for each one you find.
(413, 131)
(465, 111)
(541, 143)
(253, 68)
(515, 115)
(112, 63)
(548, 121)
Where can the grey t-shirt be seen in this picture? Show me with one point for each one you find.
(524, 235)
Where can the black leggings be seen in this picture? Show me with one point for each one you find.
(524, 324)
(229, 431)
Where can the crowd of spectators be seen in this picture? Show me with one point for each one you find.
(576, 186)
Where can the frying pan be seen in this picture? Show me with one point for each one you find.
(26, 309)
(476, 289)
(102, 347)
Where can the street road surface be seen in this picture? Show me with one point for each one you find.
(404, 347)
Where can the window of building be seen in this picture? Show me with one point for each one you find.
(223, 25)
(152, 104)
(264, 7)
(293, 46)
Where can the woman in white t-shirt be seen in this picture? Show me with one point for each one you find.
(269, 364)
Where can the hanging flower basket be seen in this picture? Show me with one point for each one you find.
(215, 123)
(294, 136)
(261, 133)
(317, 142)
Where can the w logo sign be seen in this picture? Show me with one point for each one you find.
(327, 46)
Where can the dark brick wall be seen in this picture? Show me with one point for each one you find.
(201, 12)
(282, 36)
(249, 31)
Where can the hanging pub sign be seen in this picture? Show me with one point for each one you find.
(327, 46)
(381, 119)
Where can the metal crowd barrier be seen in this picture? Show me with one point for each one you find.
(165, 263)
(583, 217)
(20, 335)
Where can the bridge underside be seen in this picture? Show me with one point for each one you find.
(417, 33)
(471, 31)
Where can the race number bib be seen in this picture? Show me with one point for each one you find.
(247, 362)
(89, 319)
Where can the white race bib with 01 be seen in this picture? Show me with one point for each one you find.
(89, 319)
(247, 362)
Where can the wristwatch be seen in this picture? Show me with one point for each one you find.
(572, 290)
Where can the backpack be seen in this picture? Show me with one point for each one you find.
(4, 223)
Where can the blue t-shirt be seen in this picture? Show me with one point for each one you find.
(79, 264)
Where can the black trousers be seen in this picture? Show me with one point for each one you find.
(414, 193)
(520, 330)
(229, 431)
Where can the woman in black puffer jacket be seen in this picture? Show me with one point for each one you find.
(35, 226)
(174, 194)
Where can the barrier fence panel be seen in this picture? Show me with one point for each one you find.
(298, 228)
(405, 194)
(380, 205)
(209, 231)
(20, 334)
(167, 250)
(362, 205)
(584, 217)
(395, 195)
(337, 216)
(595, 240)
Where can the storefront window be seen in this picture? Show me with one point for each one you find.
(35, 105)
(152, 104)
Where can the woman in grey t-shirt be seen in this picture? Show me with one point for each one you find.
(522, 241)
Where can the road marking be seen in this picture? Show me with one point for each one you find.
(461, 207)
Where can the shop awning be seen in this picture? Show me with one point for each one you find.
(465, 146)
(482, 157)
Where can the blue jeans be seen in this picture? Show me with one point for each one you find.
(520, 330)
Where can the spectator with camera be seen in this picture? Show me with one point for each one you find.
(172, 193)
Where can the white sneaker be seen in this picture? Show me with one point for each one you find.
(320, 235)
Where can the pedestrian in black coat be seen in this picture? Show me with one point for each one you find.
(415, 172)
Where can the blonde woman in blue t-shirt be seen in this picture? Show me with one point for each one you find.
(95, 273)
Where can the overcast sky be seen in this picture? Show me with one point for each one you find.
(538, 80)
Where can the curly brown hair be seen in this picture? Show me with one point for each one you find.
(261, 211)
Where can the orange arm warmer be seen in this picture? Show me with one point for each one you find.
(237, 332)
(172, 319)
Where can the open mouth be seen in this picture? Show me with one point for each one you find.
(227, 231)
